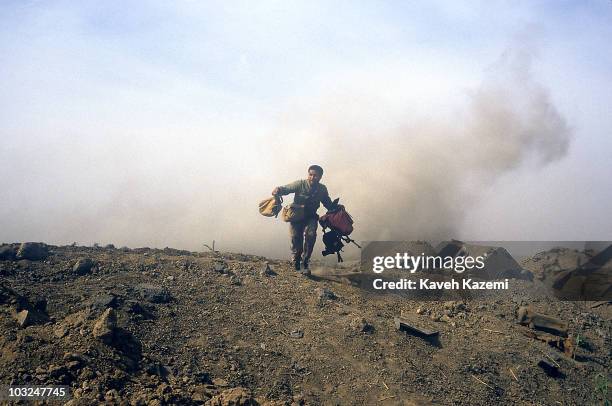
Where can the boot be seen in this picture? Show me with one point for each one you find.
(296, 263)
(306, 267)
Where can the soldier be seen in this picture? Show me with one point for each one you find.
(311, 194)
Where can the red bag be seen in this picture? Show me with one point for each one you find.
(338, 220)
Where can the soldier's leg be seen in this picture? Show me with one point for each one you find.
(296, 232)
(310, 234)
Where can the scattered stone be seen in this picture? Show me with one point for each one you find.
(83, 266)
(60, 330)
(160, 370)
(76, 359)
(105, 326)
(28, 316)
(33, 251)
(112, 396)
(234, 280)
(220, 267)
(8, 253)
(24, 318)
(550, 369)
(39, 304)
(266, 270)
(104, 301)
(446, 319)
(135, 307)
(297, 334)
(498, 263)
(201, 393)
(567, 345)
(325, 294)
(153, 293)
(401, 324)
(420, 311)
(360, 324)
(527, 316)
(170, 278)
(233, 397)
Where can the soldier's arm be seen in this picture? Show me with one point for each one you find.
(326, 200)
(285, 190)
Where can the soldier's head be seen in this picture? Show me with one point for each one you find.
(315, 173)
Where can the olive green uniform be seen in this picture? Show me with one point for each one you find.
(311, 198)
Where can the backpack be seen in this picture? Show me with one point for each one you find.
(340, 225)
(271, 207)
(339, 220)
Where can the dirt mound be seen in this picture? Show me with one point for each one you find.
(150, 326)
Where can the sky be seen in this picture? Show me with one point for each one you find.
(157, 123)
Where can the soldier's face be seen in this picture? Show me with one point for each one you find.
(313, 177)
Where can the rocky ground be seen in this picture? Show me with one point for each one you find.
(149, 326)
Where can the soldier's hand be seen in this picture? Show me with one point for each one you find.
(275, 191)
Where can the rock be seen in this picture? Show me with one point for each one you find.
(220, 267)
(83, 266)
(550, 369)
(266, 270)
(527, 316)
(403, 324)
(446, 319)
(153, 293)
(233, 397)
(160, 370)
(297, 334)
(30, 316)
(104, 301)
(60, 330)
(202, 393)
(144, 311)
(325, 294)
(360, 324)
(112, 396)
(24, 318)
(39, 304)
(104, 328)
(33, 251)
(8, 253)
(80, 359)
(497, 261)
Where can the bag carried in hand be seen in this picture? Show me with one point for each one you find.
(338, 220)
(271, 207)
(293, 213)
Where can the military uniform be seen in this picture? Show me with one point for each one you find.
(311, 197)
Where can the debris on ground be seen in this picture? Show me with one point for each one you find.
(146, 326)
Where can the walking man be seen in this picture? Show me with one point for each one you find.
(311, 193)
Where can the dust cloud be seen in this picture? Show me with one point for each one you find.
(417, 179)
(412, 174)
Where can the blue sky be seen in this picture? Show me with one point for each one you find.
(151, 123)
